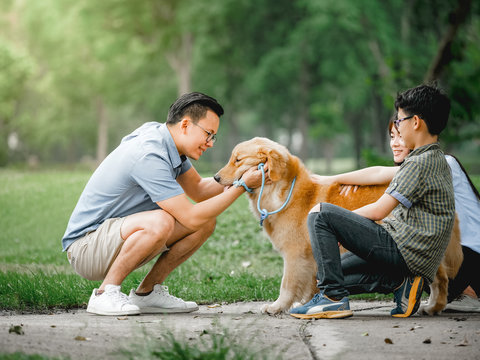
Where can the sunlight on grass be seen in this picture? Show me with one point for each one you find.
(237, 263)
(35, 274)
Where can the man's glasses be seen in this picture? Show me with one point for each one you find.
(397, 122)
(210, 135)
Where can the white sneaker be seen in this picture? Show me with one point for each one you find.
(464, 303)
(160, 301)
(111, 302)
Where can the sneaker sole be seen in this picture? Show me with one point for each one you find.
(113, 313)
(413, 301)
(325, 315)
(156, 310)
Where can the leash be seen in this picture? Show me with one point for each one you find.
(263, 212)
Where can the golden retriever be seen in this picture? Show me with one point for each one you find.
(287, 229)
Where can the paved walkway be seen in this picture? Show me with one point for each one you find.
(370, 334)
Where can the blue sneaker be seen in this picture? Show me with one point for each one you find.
(407, 296)
(321, 307)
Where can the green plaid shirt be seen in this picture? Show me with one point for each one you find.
(423, 221)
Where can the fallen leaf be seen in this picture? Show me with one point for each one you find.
(463, 343)
(122, 318)
(81, 338)
(17, 329)
(214, 306)
(388, 341)
(365, 334)
(53, 326)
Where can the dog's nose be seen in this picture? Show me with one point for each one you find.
(217, 178)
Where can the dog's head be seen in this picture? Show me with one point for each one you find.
(251, 153)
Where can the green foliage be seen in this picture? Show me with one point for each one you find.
(372, 158)
(321, 69)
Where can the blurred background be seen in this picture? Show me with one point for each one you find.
(318, 76)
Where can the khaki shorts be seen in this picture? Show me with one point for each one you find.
(92, 255)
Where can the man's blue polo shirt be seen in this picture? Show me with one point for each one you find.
(141, 171)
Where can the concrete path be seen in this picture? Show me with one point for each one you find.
(370, 334)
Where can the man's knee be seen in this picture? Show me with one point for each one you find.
(209, 228)
(160, 225)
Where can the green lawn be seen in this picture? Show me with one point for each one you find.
(35, 274)
(236, 264)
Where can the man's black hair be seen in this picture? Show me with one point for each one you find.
(429, 102)
(195, 105)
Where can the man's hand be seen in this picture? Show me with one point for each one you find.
(253, 177)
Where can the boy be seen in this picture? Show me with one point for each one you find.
(405, 250)
(135, 207)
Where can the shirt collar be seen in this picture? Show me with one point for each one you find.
(425, 148)
(172, 150)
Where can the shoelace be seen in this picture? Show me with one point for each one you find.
(119, 297)
(165, 293)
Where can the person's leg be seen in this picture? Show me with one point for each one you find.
(373, 251)
(363, 237)
(467, 274)
(362, 277)
(182, 244)
(146, 235)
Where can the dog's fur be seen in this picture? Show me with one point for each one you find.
(287, 229)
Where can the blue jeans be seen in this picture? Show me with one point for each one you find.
(374, 263)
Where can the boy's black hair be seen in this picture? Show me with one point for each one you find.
(429, 102)
(195, 105)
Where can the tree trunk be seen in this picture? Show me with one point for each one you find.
(304, 113)
(181, 63)
(444, 53)
(355, 122)
(102, 134)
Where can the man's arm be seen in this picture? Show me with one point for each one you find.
(198, 188)
(194, 216)
(379, 209)
(374, 175)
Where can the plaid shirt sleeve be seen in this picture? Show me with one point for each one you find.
(408, 185)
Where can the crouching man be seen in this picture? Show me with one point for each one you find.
(135, 207)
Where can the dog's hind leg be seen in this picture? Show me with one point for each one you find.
(438, 293)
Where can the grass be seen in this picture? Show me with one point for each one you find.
(237, 263)
(35, 274)
(217, 344)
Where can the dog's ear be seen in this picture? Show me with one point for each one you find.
(276, 164)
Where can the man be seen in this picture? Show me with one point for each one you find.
(135, 207)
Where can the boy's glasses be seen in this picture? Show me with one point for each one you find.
(397, 122)
(210, 135)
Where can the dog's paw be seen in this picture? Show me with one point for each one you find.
(271, 309)
(427, 309)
